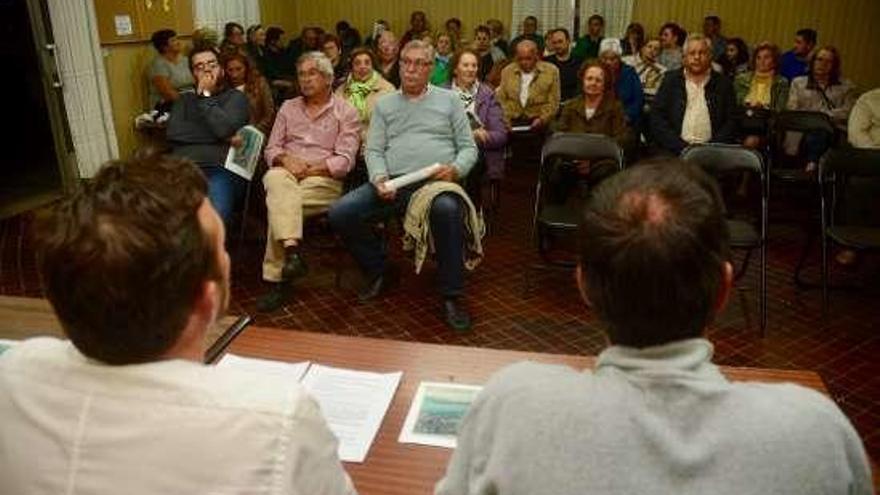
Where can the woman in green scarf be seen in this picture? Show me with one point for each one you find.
(363, 87)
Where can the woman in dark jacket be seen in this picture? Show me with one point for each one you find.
(595, 111)
(483, 110)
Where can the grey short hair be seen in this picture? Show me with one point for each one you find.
(419, 45)
(527, 43)
(697, 37)
(321, 61)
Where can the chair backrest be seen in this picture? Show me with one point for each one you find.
(803, 121)
(579, 146)
(851, 162)
(718, 158)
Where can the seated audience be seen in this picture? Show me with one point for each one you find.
(348, 36)
(126, 405)
(202, 125)
(363, 87)
(760, 89)
(633, 40)
(418, 126)
(645, 63)
(672, 38)
(169, 72)
(823, 90)
(712, 30)
(655, 415)
(595, 111)
(529, 90)
(331, 46)
(453, 27)
(735, 58)
(309, 41)
(418, 28)
(278, 67)
(483, 110)
(795, 62)
(444, 48)
(387, 54)
(243, 76)
(497, 35)
(256, 44)
(864, 121)
(587, 46)
(529, 32)
(313, 146)
(233, 39)
(625, 82)
(694, 104)
(205, 38)
(568, 65)
(489, 54)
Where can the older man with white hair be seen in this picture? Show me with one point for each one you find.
(411, 129)
(694, 104)
(311, 149)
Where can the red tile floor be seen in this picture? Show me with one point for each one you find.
(844, 349)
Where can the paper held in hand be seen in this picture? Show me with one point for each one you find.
(412, 177)
(243, 160)
(436, 413)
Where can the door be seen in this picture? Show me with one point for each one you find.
(36, 167)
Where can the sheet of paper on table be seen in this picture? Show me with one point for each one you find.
(436, 413)
(267, 366)
(353, 402)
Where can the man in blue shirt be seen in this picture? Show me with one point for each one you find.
(795, 62)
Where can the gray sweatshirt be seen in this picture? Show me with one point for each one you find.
(658, 420)
(200, 127)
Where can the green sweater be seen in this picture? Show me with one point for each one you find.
(407, 135)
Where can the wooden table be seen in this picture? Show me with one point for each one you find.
(23, 317)
(394, 468)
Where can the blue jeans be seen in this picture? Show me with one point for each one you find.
(225, 190)
(815, 145)
(351, 217)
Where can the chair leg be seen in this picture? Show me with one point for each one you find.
(764, 289)
(802, 261)
(744, 267)
(824, 277)
(244, 216)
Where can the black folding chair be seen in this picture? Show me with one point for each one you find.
(562, 218)
(839, 172)
(725, 160)
(794, 178)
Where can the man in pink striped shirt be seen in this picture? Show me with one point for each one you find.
(312, 147)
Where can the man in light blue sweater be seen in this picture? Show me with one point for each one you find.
(411, 129)
(655, 416)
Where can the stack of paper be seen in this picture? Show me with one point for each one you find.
(353, 402)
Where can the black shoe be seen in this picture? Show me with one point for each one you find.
(294, 266)
(456, 316)
(275, 298)
(379, 285)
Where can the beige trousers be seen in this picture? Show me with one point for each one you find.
(289, 201)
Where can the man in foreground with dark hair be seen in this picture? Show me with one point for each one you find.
(655, 416)
(135, 268)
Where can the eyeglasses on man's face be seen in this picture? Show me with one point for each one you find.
(416, 63)
(206, 66)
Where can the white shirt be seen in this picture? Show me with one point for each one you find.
(696, 127)
(524, 83)
(73, 425)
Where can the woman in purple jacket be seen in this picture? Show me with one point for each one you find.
(485, 114)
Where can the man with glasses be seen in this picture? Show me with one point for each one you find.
(202, 124)
(312, 147)
(413, 128)
(694, 104)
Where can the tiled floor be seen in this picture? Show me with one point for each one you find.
(549, 317)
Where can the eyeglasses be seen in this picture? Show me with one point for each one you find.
(203, 66)
(417, 63)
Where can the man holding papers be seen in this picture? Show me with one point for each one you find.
(311, 149)
(411, 129)
(135, 268)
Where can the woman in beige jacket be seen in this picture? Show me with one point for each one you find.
(363, 87)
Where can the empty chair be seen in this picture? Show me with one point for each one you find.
(850, 184)
(724, 160)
